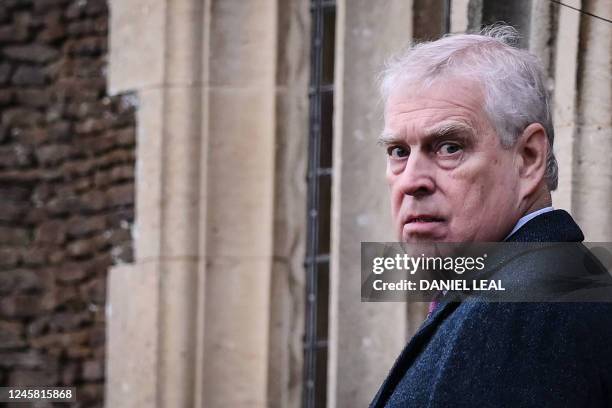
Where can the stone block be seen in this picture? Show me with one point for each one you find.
(9, 257)
(93, 201)
(93, 370)
(122, 194)
(243, 189)
(33, 378)
(133, 339)
(20, 306)
(50, 155)
(136, 25)
(11, 211)
(5, 73)
(51, 232)
(14, 236)
(34, 53)
(27, 75)
(79, 226)
(11, 335)
(34, 98)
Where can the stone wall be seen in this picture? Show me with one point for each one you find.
(66, 192)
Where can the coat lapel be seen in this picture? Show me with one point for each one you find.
(416, 344)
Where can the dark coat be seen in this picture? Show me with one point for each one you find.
(484, 354)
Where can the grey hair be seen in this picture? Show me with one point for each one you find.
(511, 78)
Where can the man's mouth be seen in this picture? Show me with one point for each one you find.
(423, 219)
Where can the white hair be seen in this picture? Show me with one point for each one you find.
(511, 78)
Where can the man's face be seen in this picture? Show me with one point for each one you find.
(450, 178)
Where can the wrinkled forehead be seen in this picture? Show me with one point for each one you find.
(438, 100)
(462, 89)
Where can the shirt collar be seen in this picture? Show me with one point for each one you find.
(526, 218)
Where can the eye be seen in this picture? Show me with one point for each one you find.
(449, 149)
(397, 152)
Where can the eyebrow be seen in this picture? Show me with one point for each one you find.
(438, 131)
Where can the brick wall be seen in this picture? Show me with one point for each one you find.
(66, 192)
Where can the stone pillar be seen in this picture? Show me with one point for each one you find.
(564, 101)
(188, 322)
(592, 185)
(153, 314)
(365, 338)
(287, 289)
(459, 16)
(240, 199)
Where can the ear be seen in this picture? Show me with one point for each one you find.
(532, 149)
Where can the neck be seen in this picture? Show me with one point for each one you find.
(540, 200)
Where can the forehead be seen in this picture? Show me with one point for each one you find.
(414, 110)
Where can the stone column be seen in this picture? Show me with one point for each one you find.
(188, 322)
(459, 16)
(564, 101)
(153, 314)
(365, 338)
(287, 290)
(240, 200)
(592, 185)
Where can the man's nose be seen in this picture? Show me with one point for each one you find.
(417, 178)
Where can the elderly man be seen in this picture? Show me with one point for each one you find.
(469, 138)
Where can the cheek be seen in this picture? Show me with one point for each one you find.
(396, 198)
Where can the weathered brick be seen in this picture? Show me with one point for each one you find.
(13, 33)
(52, 33)
(123, 252)
(126, 137)
(90, 392)
(91, 125)
(14, 193)
(63, 205)
(84, 226)
(95, 7)
(15, 156)
(9, 257)
(121, 195)
(74, 10)
(35, 98)
(69, 321)
(60, 131)
(93, 201)
(51, 232)
(11, 210)
(35, 53)
(70, 373)
(70, 339)
(29, 75)
(20, 306)
(14, 236)
(44, 6)
(53, 154)
(6, 97)
(30, 136)
(97, 336)
(93, 370)
(30, 378)
(72, 272)
(26, 359)
(87, 46)
(34, 256)
(5, 73)
(81, 248)
(11, 335)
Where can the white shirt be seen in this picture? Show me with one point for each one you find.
(526, 218)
